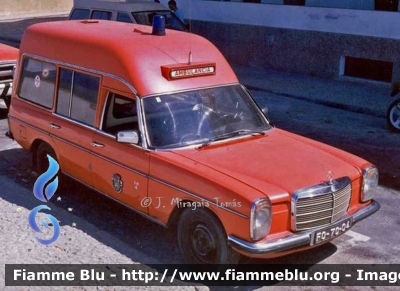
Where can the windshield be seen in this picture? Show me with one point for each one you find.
(201, 116)
(171, 21)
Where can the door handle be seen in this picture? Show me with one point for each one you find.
(97, 145)
(55, 126)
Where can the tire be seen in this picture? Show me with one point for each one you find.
(42, 163)
(202, 239)
(393, 116)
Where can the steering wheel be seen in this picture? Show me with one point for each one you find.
(201, 127)
(221, 121)
(189, 137)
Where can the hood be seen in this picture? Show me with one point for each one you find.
(8, 53)
(277, 159)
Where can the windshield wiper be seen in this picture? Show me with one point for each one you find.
(232, 134)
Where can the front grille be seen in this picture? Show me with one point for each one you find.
(321, 204)
(6, 72)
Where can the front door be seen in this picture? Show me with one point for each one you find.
(120, 170)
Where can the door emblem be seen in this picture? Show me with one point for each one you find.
(117, 183)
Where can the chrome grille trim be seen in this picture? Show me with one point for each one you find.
(320, 205)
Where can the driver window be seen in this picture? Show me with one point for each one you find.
(120, 114)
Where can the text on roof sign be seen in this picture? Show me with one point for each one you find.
(173, 72)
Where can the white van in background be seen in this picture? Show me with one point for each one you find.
(131, 11)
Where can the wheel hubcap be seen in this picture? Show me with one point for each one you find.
(203, 242)
(395, 116)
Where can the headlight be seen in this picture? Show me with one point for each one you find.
(370, 182)
(260, 219)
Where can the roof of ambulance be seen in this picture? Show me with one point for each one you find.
(128, 51)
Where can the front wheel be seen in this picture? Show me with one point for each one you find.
(202, 239)
(393, 116)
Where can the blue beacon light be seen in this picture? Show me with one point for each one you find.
(158, 25)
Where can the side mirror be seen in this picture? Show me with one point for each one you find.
(128, 136)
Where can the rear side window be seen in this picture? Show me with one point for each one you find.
(77, 96)
(38, 82)
(80, 14)
(123, 17)
(103, 15)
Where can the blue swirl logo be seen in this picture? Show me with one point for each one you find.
(45, 187)
(33, 225)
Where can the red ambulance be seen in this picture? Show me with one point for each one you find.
(158, 121)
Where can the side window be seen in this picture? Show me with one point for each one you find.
(171, 20)
(38, 82)
(64, 92)
(77, 96)
(80, 14)
(143, 17)
(120, 114)
(123, 17)
(104, 15)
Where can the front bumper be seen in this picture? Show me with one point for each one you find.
(295, 240)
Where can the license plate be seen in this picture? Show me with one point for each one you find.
(332, 231)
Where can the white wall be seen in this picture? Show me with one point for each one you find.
(15, 9)
(347, 21)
